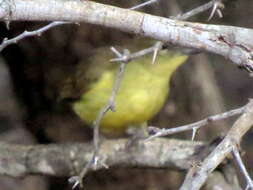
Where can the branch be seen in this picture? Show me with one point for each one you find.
(150, 2)
(197, 176)
(234, 43)
(242, 168)
(93, 162)
(195, 11)
(158, 46)
(27, 34)
(194, 126)
(68, 159)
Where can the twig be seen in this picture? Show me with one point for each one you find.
(205, 37)
(186, 16)
(158, 46)
(135, 55)
(77, 180)
(195, 11)
(197, 176)
(26, 34)
(196, 125)
(111, 102)
(242, 168)
(143, 4)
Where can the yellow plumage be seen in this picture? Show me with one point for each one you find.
(142, 93)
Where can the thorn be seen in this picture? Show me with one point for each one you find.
(143, 4)
(76, 181)
(116, 52)
(217, 6)
(219, 13)
(7, 23)
(248, 67)
(95, 162)
(105, 165)
(154, 56)
(194, 131)
(158, 46)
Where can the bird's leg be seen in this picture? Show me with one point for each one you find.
(137, 133)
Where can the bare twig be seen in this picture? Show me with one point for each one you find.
(27, 34)
(143, 4)
(216, 5)
(77, 180)
(111, 102)
(195, 11)
(242, 168)
(136, 55)
(196, 125)
(197, 176)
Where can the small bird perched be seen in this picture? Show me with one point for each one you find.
(142, 93)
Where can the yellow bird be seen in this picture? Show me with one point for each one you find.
(142, 93)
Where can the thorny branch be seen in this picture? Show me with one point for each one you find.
(6, 42)
(77, 180)
(242, 168)
(194, 126)
(216, 4)
(197, 176)
(204, 37)
(195, 11)
(136, 55)
(26, 34)
(159, 45)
